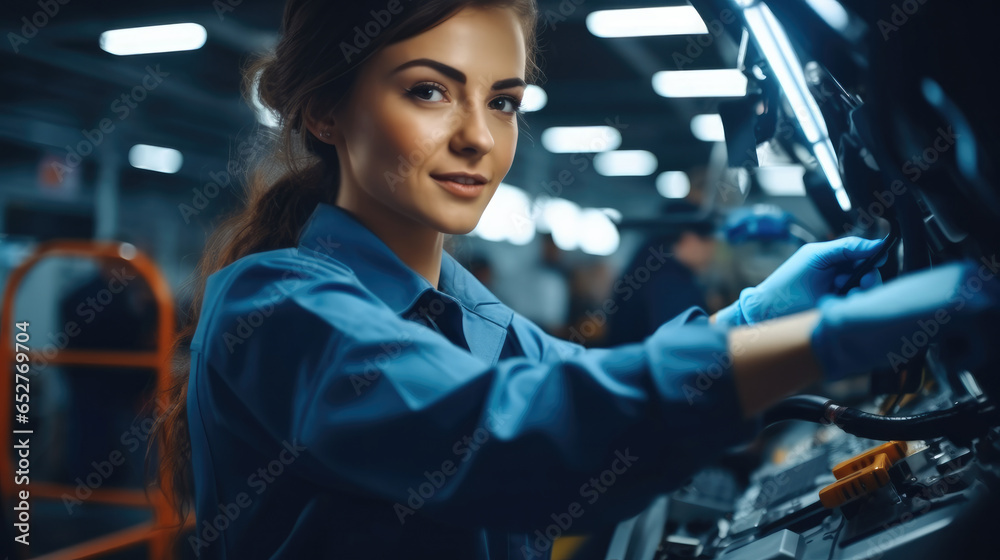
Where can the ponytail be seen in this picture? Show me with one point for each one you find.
(272, 218)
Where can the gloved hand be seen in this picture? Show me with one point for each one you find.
(886, 325)
(815, 270)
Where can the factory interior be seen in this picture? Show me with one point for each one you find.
(672, 153)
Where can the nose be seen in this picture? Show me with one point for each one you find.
(473, 134)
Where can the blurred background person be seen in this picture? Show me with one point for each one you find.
(662, 279)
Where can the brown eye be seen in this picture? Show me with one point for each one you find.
(420, 90)
(515, 105)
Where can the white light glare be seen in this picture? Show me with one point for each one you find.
(782, 180)
(596, 233)
(154, 39)
(507, 217)
(708, 128)
(534, 99)
(560, 217)
(673, 184)
(511, 217)
(265, 116)
(570, 139)
(633, 163)
(787, 69)
(832, 13)
(700, 83)
(643, 22)
(155, 158)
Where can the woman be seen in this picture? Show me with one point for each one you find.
(355, 393)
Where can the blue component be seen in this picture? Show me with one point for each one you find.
(760, 222)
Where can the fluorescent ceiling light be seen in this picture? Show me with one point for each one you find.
(534, 99)
(155, 158)
(642, 22)
(781, 58)
(782, 180)
(673, 184)
(569, 139)
(625, 163)
(154, 39)
(708, 128)
(700, 83)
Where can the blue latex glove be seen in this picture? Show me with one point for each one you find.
(815, 270)
(886, 325)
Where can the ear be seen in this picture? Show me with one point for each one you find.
(323, 129)
(321, 124)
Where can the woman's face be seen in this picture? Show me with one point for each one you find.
(441, 102)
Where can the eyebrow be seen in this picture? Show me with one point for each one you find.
(456, 74)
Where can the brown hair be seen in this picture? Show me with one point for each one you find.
(310, 71)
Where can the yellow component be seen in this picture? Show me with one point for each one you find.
(565, 548)
(865, 481)
(893, 451)
(779, 456)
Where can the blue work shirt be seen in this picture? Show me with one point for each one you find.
(340, 406)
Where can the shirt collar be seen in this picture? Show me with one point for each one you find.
(335, 232)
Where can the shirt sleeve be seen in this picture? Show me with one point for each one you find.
(392, 409)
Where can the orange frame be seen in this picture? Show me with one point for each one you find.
(157, 532)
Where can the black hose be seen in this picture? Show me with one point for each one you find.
(802, 407)
(964, 419)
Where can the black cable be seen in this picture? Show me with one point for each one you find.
(970, 417)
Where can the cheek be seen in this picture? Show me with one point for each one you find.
(505, 145)
(374, 149)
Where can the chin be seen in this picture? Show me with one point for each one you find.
(457, 222)
(456, 228)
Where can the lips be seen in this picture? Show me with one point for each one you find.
(462, 178)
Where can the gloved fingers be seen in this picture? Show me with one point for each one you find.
(873, 278)
(859, 247)
(841, 279)
(845, 251)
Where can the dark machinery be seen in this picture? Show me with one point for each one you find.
(889, 105)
